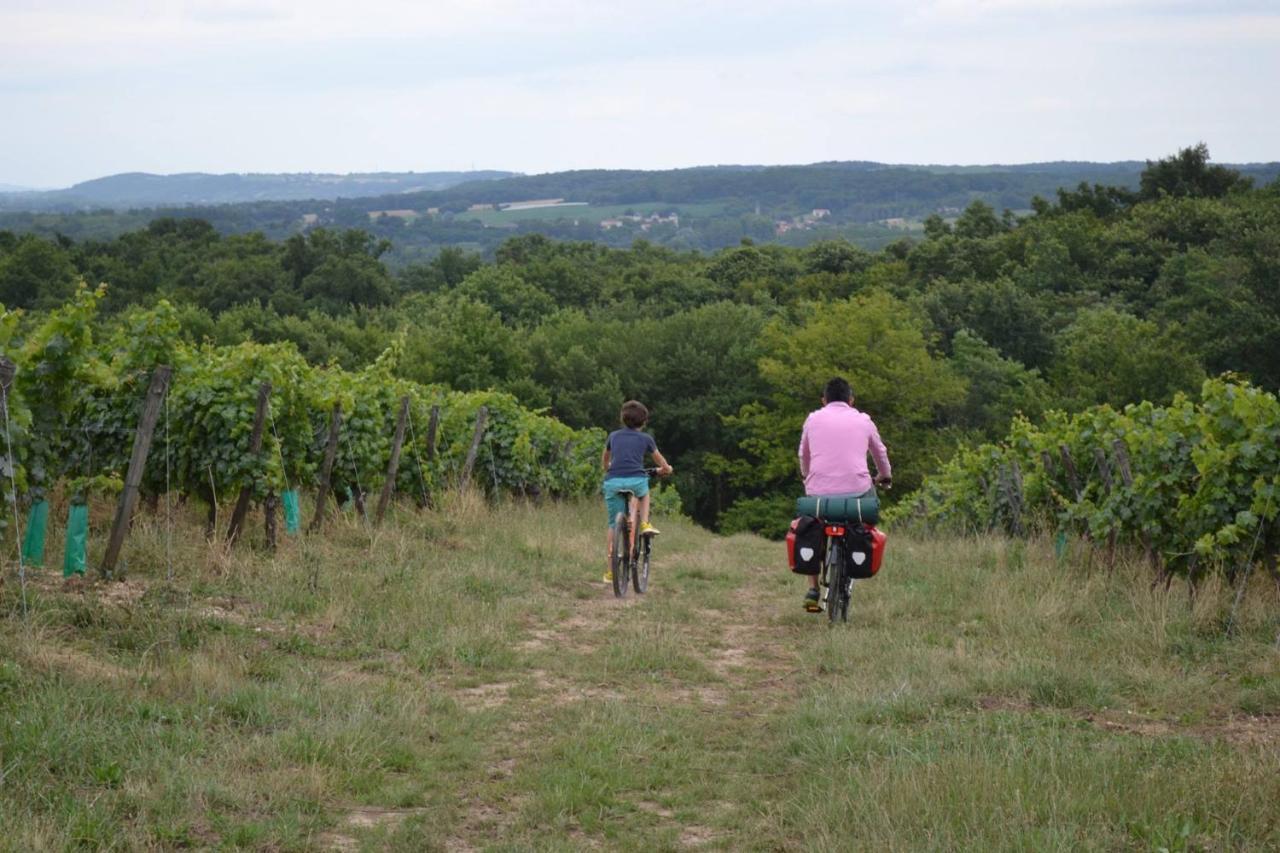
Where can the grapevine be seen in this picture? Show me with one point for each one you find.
(1204, 487)
(79, 387)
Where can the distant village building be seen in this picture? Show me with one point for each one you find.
(476, 207)
(820, 213)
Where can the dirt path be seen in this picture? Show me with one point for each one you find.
(746, 665)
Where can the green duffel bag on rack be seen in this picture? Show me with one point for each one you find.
(864, 508)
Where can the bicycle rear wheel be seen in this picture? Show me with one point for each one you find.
(640, 575)
(837, 585)
(621, 554)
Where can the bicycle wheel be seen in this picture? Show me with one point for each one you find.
(621, 554)
(837, 585)
(640, 573)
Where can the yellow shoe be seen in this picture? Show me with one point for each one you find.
(608, 577)
(648, 529)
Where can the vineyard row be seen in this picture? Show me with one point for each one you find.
(1195, 484)
(254, 421)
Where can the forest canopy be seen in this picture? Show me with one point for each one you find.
(1101, 294)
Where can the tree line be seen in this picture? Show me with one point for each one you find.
(1102, 294)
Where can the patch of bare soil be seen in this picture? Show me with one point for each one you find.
(483, 822)
(1004, 703)
(484, 696)
(1241, 729)
(78, 663)
(697, 836)
(561, 691)
(365, 817)
(576, 631)
(1245, 729)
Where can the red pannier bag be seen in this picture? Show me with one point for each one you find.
(864, 549)
(804, 545)
(877, 548)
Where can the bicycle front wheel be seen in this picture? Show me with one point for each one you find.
(621, 554)
(640, 576)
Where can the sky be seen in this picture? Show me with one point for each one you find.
(96, 87)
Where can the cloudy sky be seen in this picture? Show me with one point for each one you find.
(94, 87)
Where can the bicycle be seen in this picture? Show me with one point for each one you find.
(630, 558)
(835, 574)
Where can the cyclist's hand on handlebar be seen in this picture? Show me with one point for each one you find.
(665, 471)
(887, 482)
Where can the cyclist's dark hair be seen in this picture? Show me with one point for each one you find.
(838, 391)
(634, 414)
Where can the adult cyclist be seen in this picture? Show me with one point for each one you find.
(834, 446)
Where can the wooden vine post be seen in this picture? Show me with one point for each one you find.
(7, 371)
(326, 469)
(393, 466)
(255, 448)
(269, 519)
(432, 428)
(481, 417)
(1073, 480)
(137, 466)
(1104, 471)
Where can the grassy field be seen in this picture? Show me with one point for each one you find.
(463, 680)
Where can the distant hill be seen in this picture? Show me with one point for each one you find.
(140, 189)
(704, 207)
(857, 191)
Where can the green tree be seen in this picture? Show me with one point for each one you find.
(1110, 356)
(1188, 174)
(876, 342)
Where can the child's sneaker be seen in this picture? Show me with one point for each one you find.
(608, 577)
(647, 529)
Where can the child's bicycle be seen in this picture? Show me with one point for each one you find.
(631, 553)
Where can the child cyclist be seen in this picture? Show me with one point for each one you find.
(623, 461)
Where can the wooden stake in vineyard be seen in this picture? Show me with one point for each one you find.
(393, 466)
(1104, 471)
(432, 428)
(481, 417)
(137, 465)
(269, 519)
(255, 448)
(326, 470)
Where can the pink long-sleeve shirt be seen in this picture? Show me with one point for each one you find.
(833, 451)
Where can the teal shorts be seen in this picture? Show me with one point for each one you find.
(614, 503)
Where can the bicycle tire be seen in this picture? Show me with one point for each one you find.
(621, 554)
(640, 574)
(837, 591)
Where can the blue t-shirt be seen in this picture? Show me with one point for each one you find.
(627, 448)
